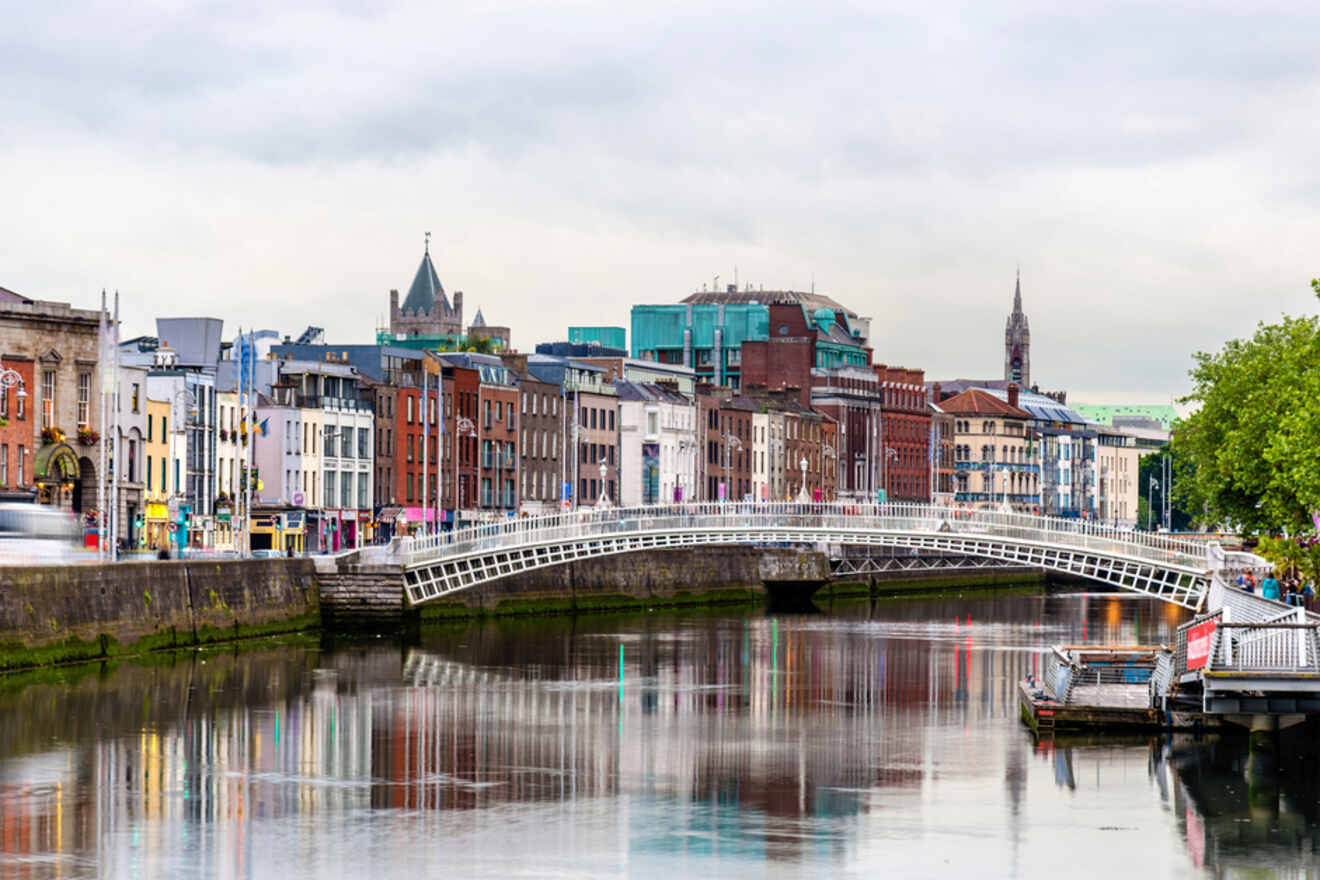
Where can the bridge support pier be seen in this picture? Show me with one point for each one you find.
(792, 579)
(358, 595)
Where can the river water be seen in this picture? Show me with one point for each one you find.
(872, 738)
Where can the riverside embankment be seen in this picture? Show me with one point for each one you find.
(52, 614)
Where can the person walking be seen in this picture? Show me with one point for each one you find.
(1269, 588)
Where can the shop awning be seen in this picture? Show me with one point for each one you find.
(389, 514)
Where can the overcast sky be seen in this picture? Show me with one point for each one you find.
(1151, 167)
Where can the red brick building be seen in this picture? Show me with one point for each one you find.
(462, 403)
(904, 434)
(16, 437)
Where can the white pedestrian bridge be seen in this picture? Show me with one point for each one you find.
(1178, 570)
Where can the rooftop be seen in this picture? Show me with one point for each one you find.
(979, 402)
(425, 289)
(810, 301)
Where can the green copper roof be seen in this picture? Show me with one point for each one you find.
(426, 289)
(1162, 413)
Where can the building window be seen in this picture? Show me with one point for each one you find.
(362, 490)
(330, 489)
(48, 399)
(135, 397)
(4, 464)
(21, 453)
(85, 400)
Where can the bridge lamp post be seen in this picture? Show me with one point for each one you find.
(803, 497)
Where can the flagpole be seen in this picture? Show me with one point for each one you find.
(250, 359)
(114, 449)
(426, 431)
(236, 469)
(100, 482)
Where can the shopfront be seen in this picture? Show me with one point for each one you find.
(156, 525)
(388, 523)
(280, 531)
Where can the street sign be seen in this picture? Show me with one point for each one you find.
(1198, 644)
(298, 499)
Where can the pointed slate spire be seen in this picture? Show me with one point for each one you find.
(1017, 295)
(479, 320)
(426, 290)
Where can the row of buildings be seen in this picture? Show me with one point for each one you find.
(264, 440)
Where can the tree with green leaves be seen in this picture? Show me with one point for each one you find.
(1248, 457)
(1151, 485)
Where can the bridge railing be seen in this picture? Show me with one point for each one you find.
(840, 516)
(1264, 647)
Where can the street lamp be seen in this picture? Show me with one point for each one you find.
(604, 500)
(1149, 510)
(890, 453)
(803, 498)
(826, 452)
(731, 442)
(463, 427)
(684, 449)
(10, 378)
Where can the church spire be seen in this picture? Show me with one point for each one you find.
(1017, 341)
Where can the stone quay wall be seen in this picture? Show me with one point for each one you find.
(73, 612)
(53, 614)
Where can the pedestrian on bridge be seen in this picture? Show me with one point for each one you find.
(1269, 588)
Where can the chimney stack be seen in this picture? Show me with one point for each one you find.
(1012, 394)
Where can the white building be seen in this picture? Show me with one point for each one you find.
(327, 438)
(657, 444)
(768, 456)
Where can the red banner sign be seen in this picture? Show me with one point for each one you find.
(1198, 643)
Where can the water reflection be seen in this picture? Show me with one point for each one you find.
(871, 735)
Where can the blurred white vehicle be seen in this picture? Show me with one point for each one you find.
(33, 534)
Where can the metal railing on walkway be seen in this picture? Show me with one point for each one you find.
(1170, 568)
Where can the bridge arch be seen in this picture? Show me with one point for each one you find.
(1175, 570)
